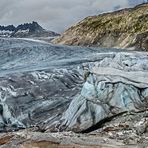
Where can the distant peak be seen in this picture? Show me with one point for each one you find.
(35, 23)
(30, 26)
(32, 29)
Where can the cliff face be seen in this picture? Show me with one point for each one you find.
(127, 28)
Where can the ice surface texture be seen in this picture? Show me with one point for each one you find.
(53, 87)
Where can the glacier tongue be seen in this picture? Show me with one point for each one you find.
(113, 86)
(51, 87)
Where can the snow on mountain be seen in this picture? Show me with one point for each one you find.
(27, 30)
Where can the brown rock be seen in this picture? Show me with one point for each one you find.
(126, 28)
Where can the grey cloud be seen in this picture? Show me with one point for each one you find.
(55, 15)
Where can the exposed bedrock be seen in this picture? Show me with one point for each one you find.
(125, 28)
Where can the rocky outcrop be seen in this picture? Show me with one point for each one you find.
(126, 28)
(27, 139)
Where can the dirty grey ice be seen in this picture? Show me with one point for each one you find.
(56, 88)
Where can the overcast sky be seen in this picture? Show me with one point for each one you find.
(54, 15)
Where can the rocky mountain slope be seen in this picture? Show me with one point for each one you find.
(27, 30)
(126, 28)
(48, 88)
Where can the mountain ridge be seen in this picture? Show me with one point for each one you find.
(25, 30)
(126, 28)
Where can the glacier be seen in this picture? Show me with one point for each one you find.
(55, 87)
